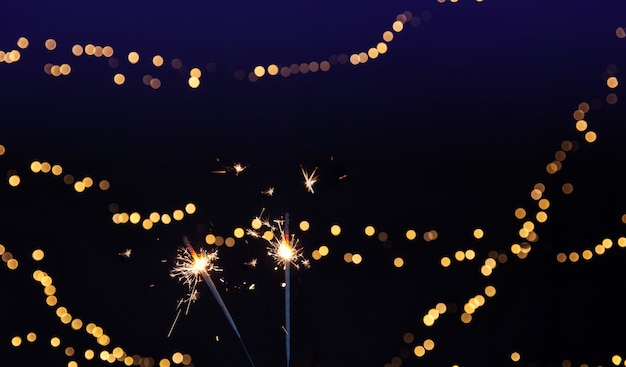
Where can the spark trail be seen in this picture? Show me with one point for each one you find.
(219, 299)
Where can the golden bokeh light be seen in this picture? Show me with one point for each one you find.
(335, 230)
(133, 57)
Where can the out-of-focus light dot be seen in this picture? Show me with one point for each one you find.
(157, 61)
(616, 359)
(357, 258)
(372, 53)
(272, 70)
(177, 357)
(411, 234)
(324, 66)
(515, 357)
(256, 223)
(324, 250)
(154, 217)
(31, 337)
(383, 236)
(561, 257)
(178, 214)
(22, 42)
(104, 355)
(382, 48)
(147, 224)
(51, 301)
(69, 351)
(621, 242)
(89, 354)
(607, 243)
(541, 217)
(544, 204)
(398, 262)
(369, 230)
(354, 59)
(193, 82)
(104, 340)
(428, 320)
(55, 341)
(574, 257)
(347, 257)
(490, 291)
(128, 361)
(259, 71)
(397, 26)
(304, 226)
(590, 136)
(35, 166)
(363, 57)
(620, 32)
(12, 264)
(135, 217)
(209, 239)
(155, 83)
(49, 290)
(190, 208)
(419, 351)
(229, 242)
(466, 318)
(520, 213)
(133, 57)
(38, 255)
(567, 188)
(195, 72)
(478, 233)
(2, 149)
(316, 255)
(107, 51)
(268, 235)
(600, 250)
(57, 170)
(612, 82)
(459, 255)
(408, 338)
(429, 344)
(388, 36)
(164, 362)
(239, 232)
(445, 261)
(124, 218)
(77, 324)
(587, 254)
(14, 180)
(470, 254)
(581, 125)
(186, 359)
(486, 270)
(50, 44)
(335, 230)
(16, 341)
(166, 219)
(611, 98)
(119, 79)
(88, 182)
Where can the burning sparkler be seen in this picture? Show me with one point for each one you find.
(190, 268)
(284, 249)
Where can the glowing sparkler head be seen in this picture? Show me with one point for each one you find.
(189, 267)
(285, 251)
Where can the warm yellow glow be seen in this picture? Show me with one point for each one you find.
(323, 250)
(478, 233)
(35, 166)
(177, 357)
(285, 252)
(193, 82)
(209, 239)
(147, 224)
(50, 44)
(190, 208)
(239, 232)
(259, 71)
(256, 223)
(272, 70)
(590, 136)
(335, 230)
(304, 226)
(178, 214)
(382, 48)
(411, 234)
(369, 231)
(515, 357)
(119, 79)
(419, 351)
(397, 26)
(429, 344)
(581, 125)
(135, 217)
(22, 42)
(316, 255)
(612, 82)
(14, 180)
(398, 262)
(520, 213)
(133, 57)
(445, 261)
(55, 341)
(387, 36)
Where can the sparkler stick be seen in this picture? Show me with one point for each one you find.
(219, 299)
(287, 294)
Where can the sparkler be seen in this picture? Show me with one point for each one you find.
(190, 266)
(284, 250)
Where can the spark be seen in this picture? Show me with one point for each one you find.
(252, 263)
(269, 191)
(309, 179)
(252, 233)
(126, 253)
(238, 167)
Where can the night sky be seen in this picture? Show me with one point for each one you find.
(472, 111)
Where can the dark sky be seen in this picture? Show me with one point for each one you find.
(450, 130)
